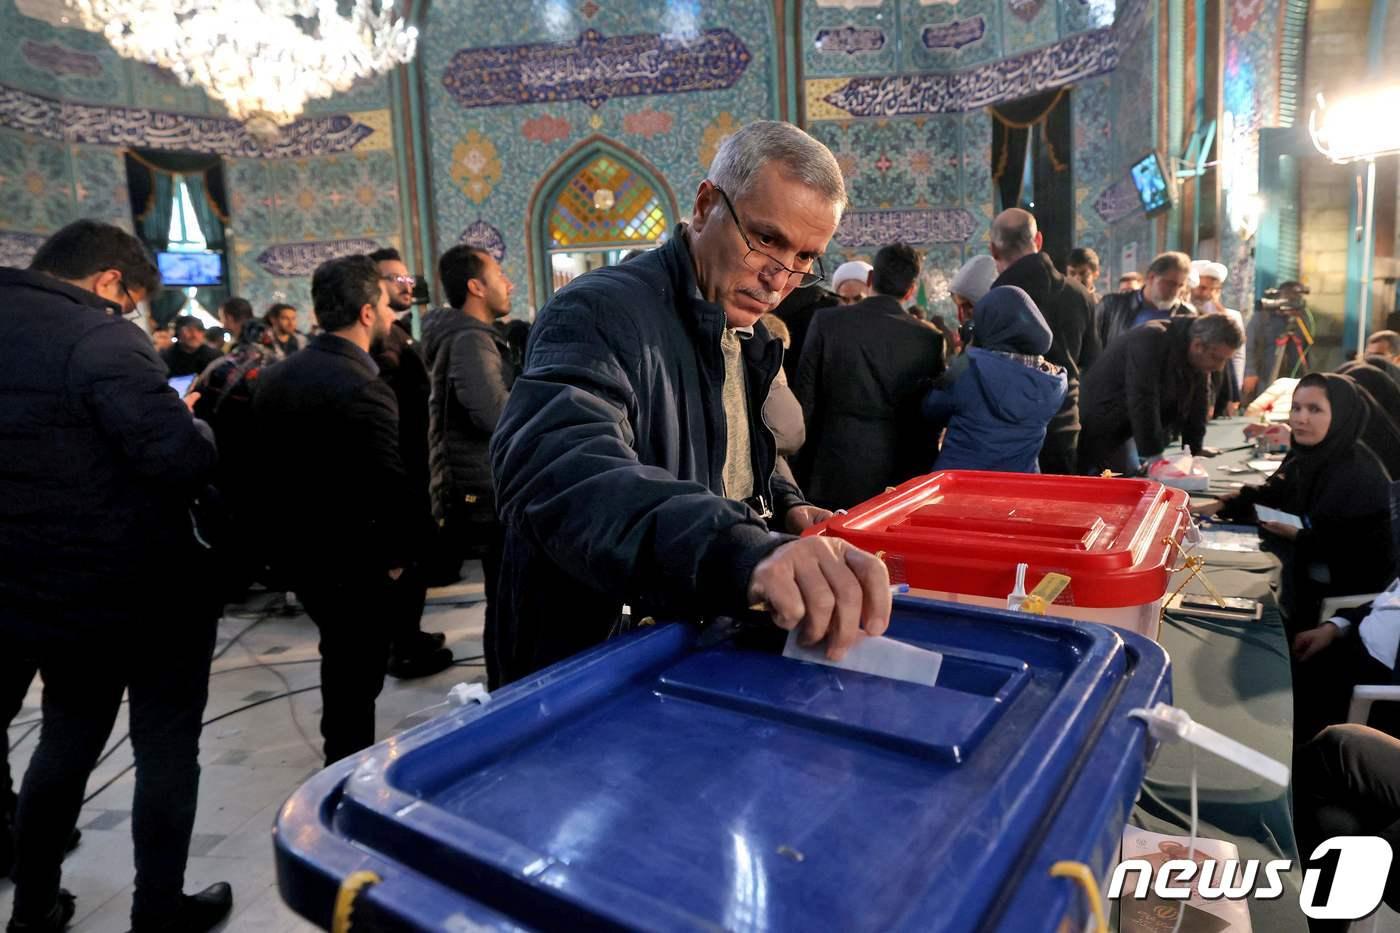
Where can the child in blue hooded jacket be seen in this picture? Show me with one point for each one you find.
(997, 405)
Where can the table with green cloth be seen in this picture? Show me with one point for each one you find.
(1235, 678)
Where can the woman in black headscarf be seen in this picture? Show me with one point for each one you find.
(1382, 399)
(1339, 489)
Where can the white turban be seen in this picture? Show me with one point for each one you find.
(1215, 270)
(855, 270)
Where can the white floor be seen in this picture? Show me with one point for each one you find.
(251, 762)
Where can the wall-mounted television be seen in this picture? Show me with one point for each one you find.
(188, 269)
(1151, 184)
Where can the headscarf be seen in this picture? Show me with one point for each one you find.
(1007, 321)
(1382, 433)
(1374, 379)
(1385, 365)
(1307, 463)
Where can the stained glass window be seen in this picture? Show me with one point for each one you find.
(634, 217)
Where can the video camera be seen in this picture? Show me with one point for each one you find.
(1287, 299)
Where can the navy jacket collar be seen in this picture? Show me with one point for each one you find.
(28, 278)
(330, 343)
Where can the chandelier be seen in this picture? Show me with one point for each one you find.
(263, 59)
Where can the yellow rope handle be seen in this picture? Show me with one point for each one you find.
(1078, 871)
(350, 889)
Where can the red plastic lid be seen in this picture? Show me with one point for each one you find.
(964, 531)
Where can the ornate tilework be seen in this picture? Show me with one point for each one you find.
(955, 34)
(35, 183)
(1117, 201)
(595, 68)
(484, 236)
(849, 40)
(648, 123)
(287, 259)
(475, 166)
(876, 228)
(546, 129)
(125, 126)
(59, 59)
(16, 249)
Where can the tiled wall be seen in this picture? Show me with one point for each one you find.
(491, 153)
(278, 203)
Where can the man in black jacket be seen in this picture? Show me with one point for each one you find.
(99, 462)
(325, 415)
(864, 372)
(189, 354)
(1159, 299)
(473, 368)
(632, 463)
(413, 653)
(1151, 384)
(1068, 310)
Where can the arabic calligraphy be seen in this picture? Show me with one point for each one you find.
(850, 40)
(59, 59)
(1118, 200)
(1078, 57)
(292, 259)
(16, 249)
(595, 68)
(955, 35)
(72, 122)
(877, 228)
(484, 237)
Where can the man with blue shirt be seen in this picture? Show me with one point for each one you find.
(1159, 299)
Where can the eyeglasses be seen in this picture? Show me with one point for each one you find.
(135, 305)
(761, 262)
(400, 279)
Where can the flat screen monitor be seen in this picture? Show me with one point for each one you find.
(1151, 184)
(186, 269)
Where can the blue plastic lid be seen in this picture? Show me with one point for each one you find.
(651, 785)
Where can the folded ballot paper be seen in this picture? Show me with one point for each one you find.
(1267, 514)
(883, 657)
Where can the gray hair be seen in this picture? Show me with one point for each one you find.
(736, 165)
(1170, 262)
(1216, 329)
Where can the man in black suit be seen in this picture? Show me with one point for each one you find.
(1016, 246)
(864, 371)
(325, 415)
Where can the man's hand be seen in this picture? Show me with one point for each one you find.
(1210, 508)
(827, 589)
(802, 517)
(190, 399)
(1306, 644)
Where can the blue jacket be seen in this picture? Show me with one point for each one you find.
(996, 413)
(608, 462)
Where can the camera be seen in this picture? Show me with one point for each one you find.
(1286, 299)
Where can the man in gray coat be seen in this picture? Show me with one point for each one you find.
(472, 374)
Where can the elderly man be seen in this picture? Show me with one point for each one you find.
(1207, 279)
(851, 281)
(632, 464)
(1069, 311)
(1157, 300)
(1151, 384)
(973, 279)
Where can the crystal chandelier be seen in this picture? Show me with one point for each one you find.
(264, 59)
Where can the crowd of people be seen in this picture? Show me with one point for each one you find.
(673, 425)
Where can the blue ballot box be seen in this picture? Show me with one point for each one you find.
(652, 784)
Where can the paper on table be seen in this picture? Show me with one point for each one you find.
(1267, 514)
(1267, 467)
(883, 657)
